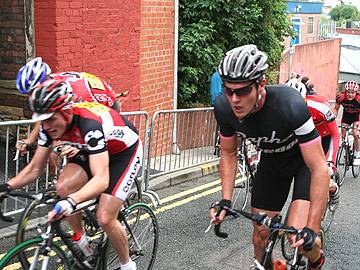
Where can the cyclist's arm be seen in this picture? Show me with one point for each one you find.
(314, 158)
(335, 141)
(99, 166)
(33, 170)
(336, 109)
(228, 162)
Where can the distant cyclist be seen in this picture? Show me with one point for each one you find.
(84, 86)
(295, 83)
(216, 86)
(325, 123)
(276, 120)
(350, 101)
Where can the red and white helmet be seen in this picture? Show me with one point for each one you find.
(351, 86)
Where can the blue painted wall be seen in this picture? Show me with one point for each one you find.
(306, 7)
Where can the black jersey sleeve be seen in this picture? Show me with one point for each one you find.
(44, 139)
(300, 118)
(93, 134)
(222, 108)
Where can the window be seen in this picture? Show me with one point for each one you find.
(310, 25)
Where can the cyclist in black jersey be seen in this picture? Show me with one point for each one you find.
(277, 121)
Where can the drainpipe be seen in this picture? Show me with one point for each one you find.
(175, 148)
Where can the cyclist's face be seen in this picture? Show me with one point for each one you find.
(350, 95)
(55, 126)
(243, 100)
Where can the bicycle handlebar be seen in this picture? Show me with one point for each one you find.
(273, 223)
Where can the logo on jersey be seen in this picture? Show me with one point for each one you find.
(93, 107)
(95, 140)
(93, 81)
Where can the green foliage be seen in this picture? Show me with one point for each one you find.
(209, 28)
(344, 12)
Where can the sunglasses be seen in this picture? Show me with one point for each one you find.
(239, 91)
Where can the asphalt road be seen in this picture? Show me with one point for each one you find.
(183, 218)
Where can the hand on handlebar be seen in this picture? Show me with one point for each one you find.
(61, 208)
(306, 239)
(66, 150)
(217, 212)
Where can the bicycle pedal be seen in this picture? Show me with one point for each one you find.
(240, 185)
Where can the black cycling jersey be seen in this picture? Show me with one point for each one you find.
(278, 127)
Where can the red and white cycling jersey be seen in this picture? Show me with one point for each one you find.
(325, 123)
(88, 87)
(350, 106)
(321, 113)
(99, 127)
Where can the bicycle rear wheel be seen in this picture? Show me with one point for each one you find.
(143, 234)
(31, 249)
(342, 161)
(355, 169)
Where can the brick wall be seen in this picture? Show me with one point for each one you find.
(12, 38)
(157, 55)
(101, 37)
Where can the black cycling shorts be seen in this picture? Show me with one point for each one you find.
(349, 118)
(124, 167)
(273, 180)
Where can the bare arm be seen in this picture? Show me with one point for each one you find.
(228, 162)
(33, 170)
(314, 158)
(336, 109)
(99, 166)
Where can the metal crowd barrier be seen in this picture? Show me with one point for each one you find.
(175, 140)
(180, 139)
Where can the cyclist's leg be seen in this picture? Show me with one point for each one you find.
(300, 205)
(74, 175)
(123, 170)
(270, 192)
(356, 126)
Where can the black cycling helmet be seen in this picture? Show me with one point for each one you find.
(49, 97)
(242, 64)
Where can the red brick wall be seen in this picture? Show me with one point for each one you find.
(101, 37)
(157, 55)
(12, 38)
(319, 61)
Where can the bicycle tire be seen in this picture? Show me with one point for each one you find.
(135, 194)
(36, 212)
(143, 237)
(241, 188)
(342, 162)
(355, 169)
(328, 217)
(58, 259)
(286, 249)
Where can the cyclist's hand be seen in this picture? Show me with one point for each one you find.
(22, 145)
(307, 239)
(61, 208)
(217, 213)
(331, 168)
(4, 188)
(69, 151)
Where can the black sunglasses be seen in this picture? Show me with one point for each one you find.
(239, 91)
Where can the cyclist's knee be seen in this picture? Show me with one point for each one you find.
(106, 220)
(260, 236)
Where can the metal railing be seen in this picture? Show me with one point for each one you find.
(174, 140)
(180, 139)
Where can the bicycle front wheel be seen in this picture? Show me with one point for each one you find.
(143, 234)
(55, 259)
(342, 161)
(355, 169)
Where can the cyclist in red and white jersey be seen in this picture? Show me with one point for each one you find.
(325, 123)
(85, 86)
(107, 168)
(350, 100)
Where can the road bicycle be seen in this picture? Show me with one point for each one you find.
(278, 231)
(345, 156)
(248, 159)
(47, 252)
